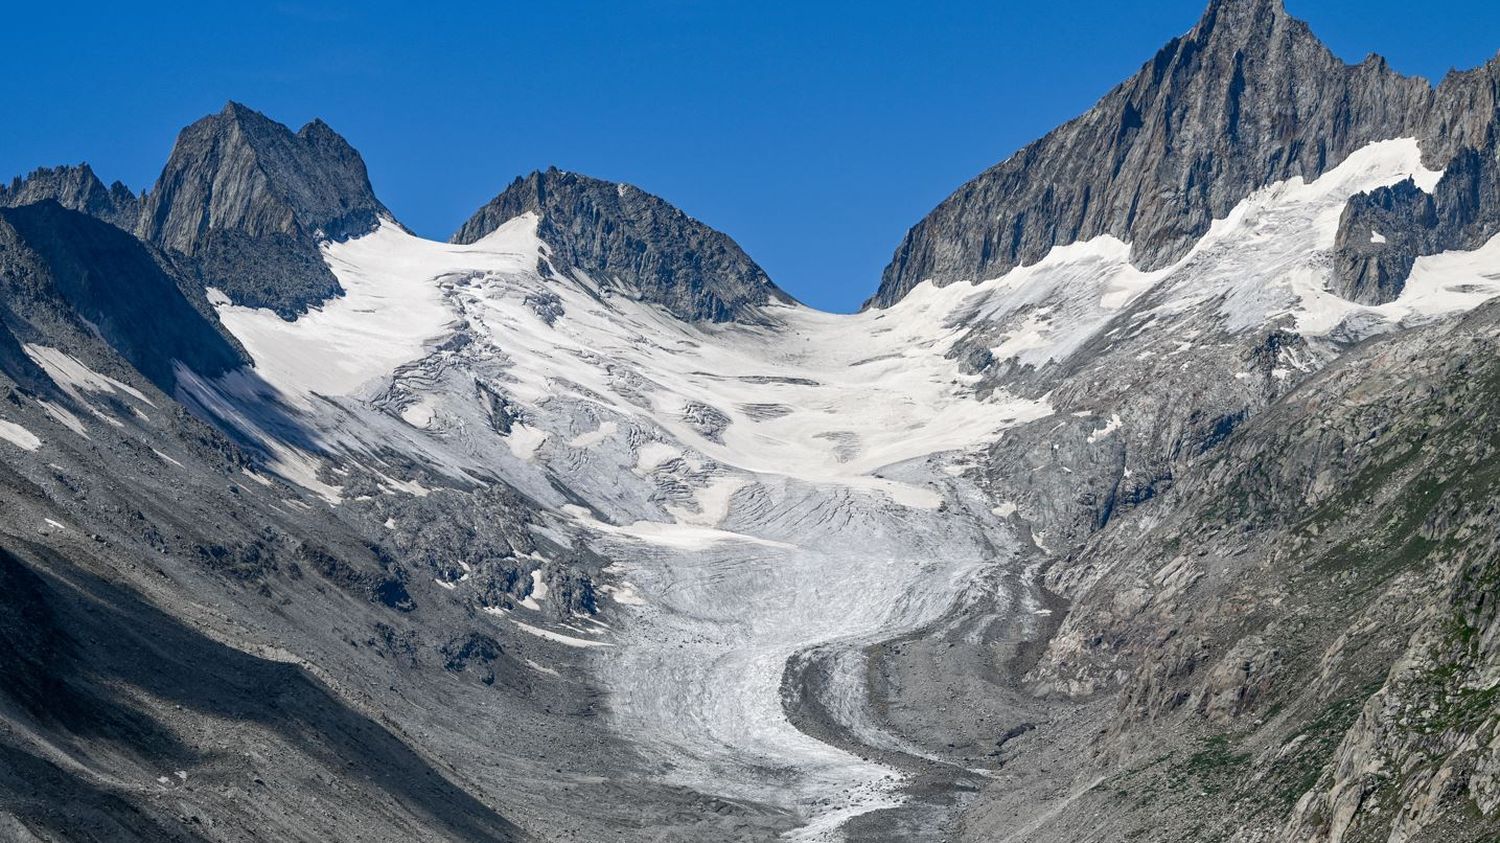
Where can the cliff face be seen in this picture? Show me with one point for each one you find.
(1247, 98)
(1383, 232)
(634, 243)
(248, 201)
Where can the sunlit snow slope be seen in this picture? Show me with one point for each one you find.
(764, 490)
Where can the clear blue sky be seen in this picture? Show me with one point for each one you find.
(815, 133)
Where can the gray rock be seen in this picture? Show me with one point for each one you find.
(63, 268)
(1380, 236)
(76, 188)
(249, 201)
(1303, 627)
(635, 244)
(1383, 232)
(1247, 98)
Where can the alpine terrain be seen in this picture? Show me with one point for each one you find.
(1154, 496)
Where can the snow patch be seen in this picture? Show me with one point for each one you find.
(538, 592)
(567, 640)
(75, 378)
(1109, 427)
(542, 669)
(19, 436)
(653, 454)
(389, 313)
(624, 593)
(62, 416)
(524, 441)
(419, 414)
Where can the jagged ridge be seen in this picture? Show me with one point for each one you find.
(78, 188)
(1247, 98)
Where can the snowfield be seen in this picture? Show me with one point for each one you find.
(764, 491)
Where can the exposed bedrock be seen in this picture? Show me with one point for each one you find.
(1247, 98)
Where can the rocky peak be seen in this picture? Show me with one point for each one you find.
(249, 201)
(1248, 97)
(1240, 15)
(240, 170)
(75, 187)
(634, 243)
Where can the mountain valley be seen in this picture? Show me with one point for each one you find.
(1149, 498)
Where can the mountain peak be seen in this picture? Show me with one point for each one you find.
(240, 186)
(244, 117)
(1239, 11)
(234, 108)
(316, 128)
(635, 243)
(1248, 97)
(261, 180)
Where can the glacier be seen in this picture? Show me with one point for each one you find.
(776, 495)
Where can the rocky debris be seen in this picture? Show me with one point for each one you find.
(248, 201)
(78, 189)
(387, 587)
(475, 650)
(1247, 98)
(88, 660)
(476, 544)
(631, 243)
(570, 591)
(437, 532)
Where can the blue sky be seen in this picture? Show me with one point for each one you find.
(815, 133)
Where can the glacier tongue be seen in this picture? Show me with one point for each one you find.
(762, 490)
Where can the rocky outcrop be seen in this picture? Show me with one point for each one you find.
(77, 188)
(1371, 265)
(1247, 98)
(248, 201)
(1383, 232)
(632, 243)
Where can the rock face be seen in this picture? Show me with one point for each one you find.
(248, 201)
(1247, 98)
(1299, 637)
(60, 267)
(1383, 232)
(634, 243)
(75, 187)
